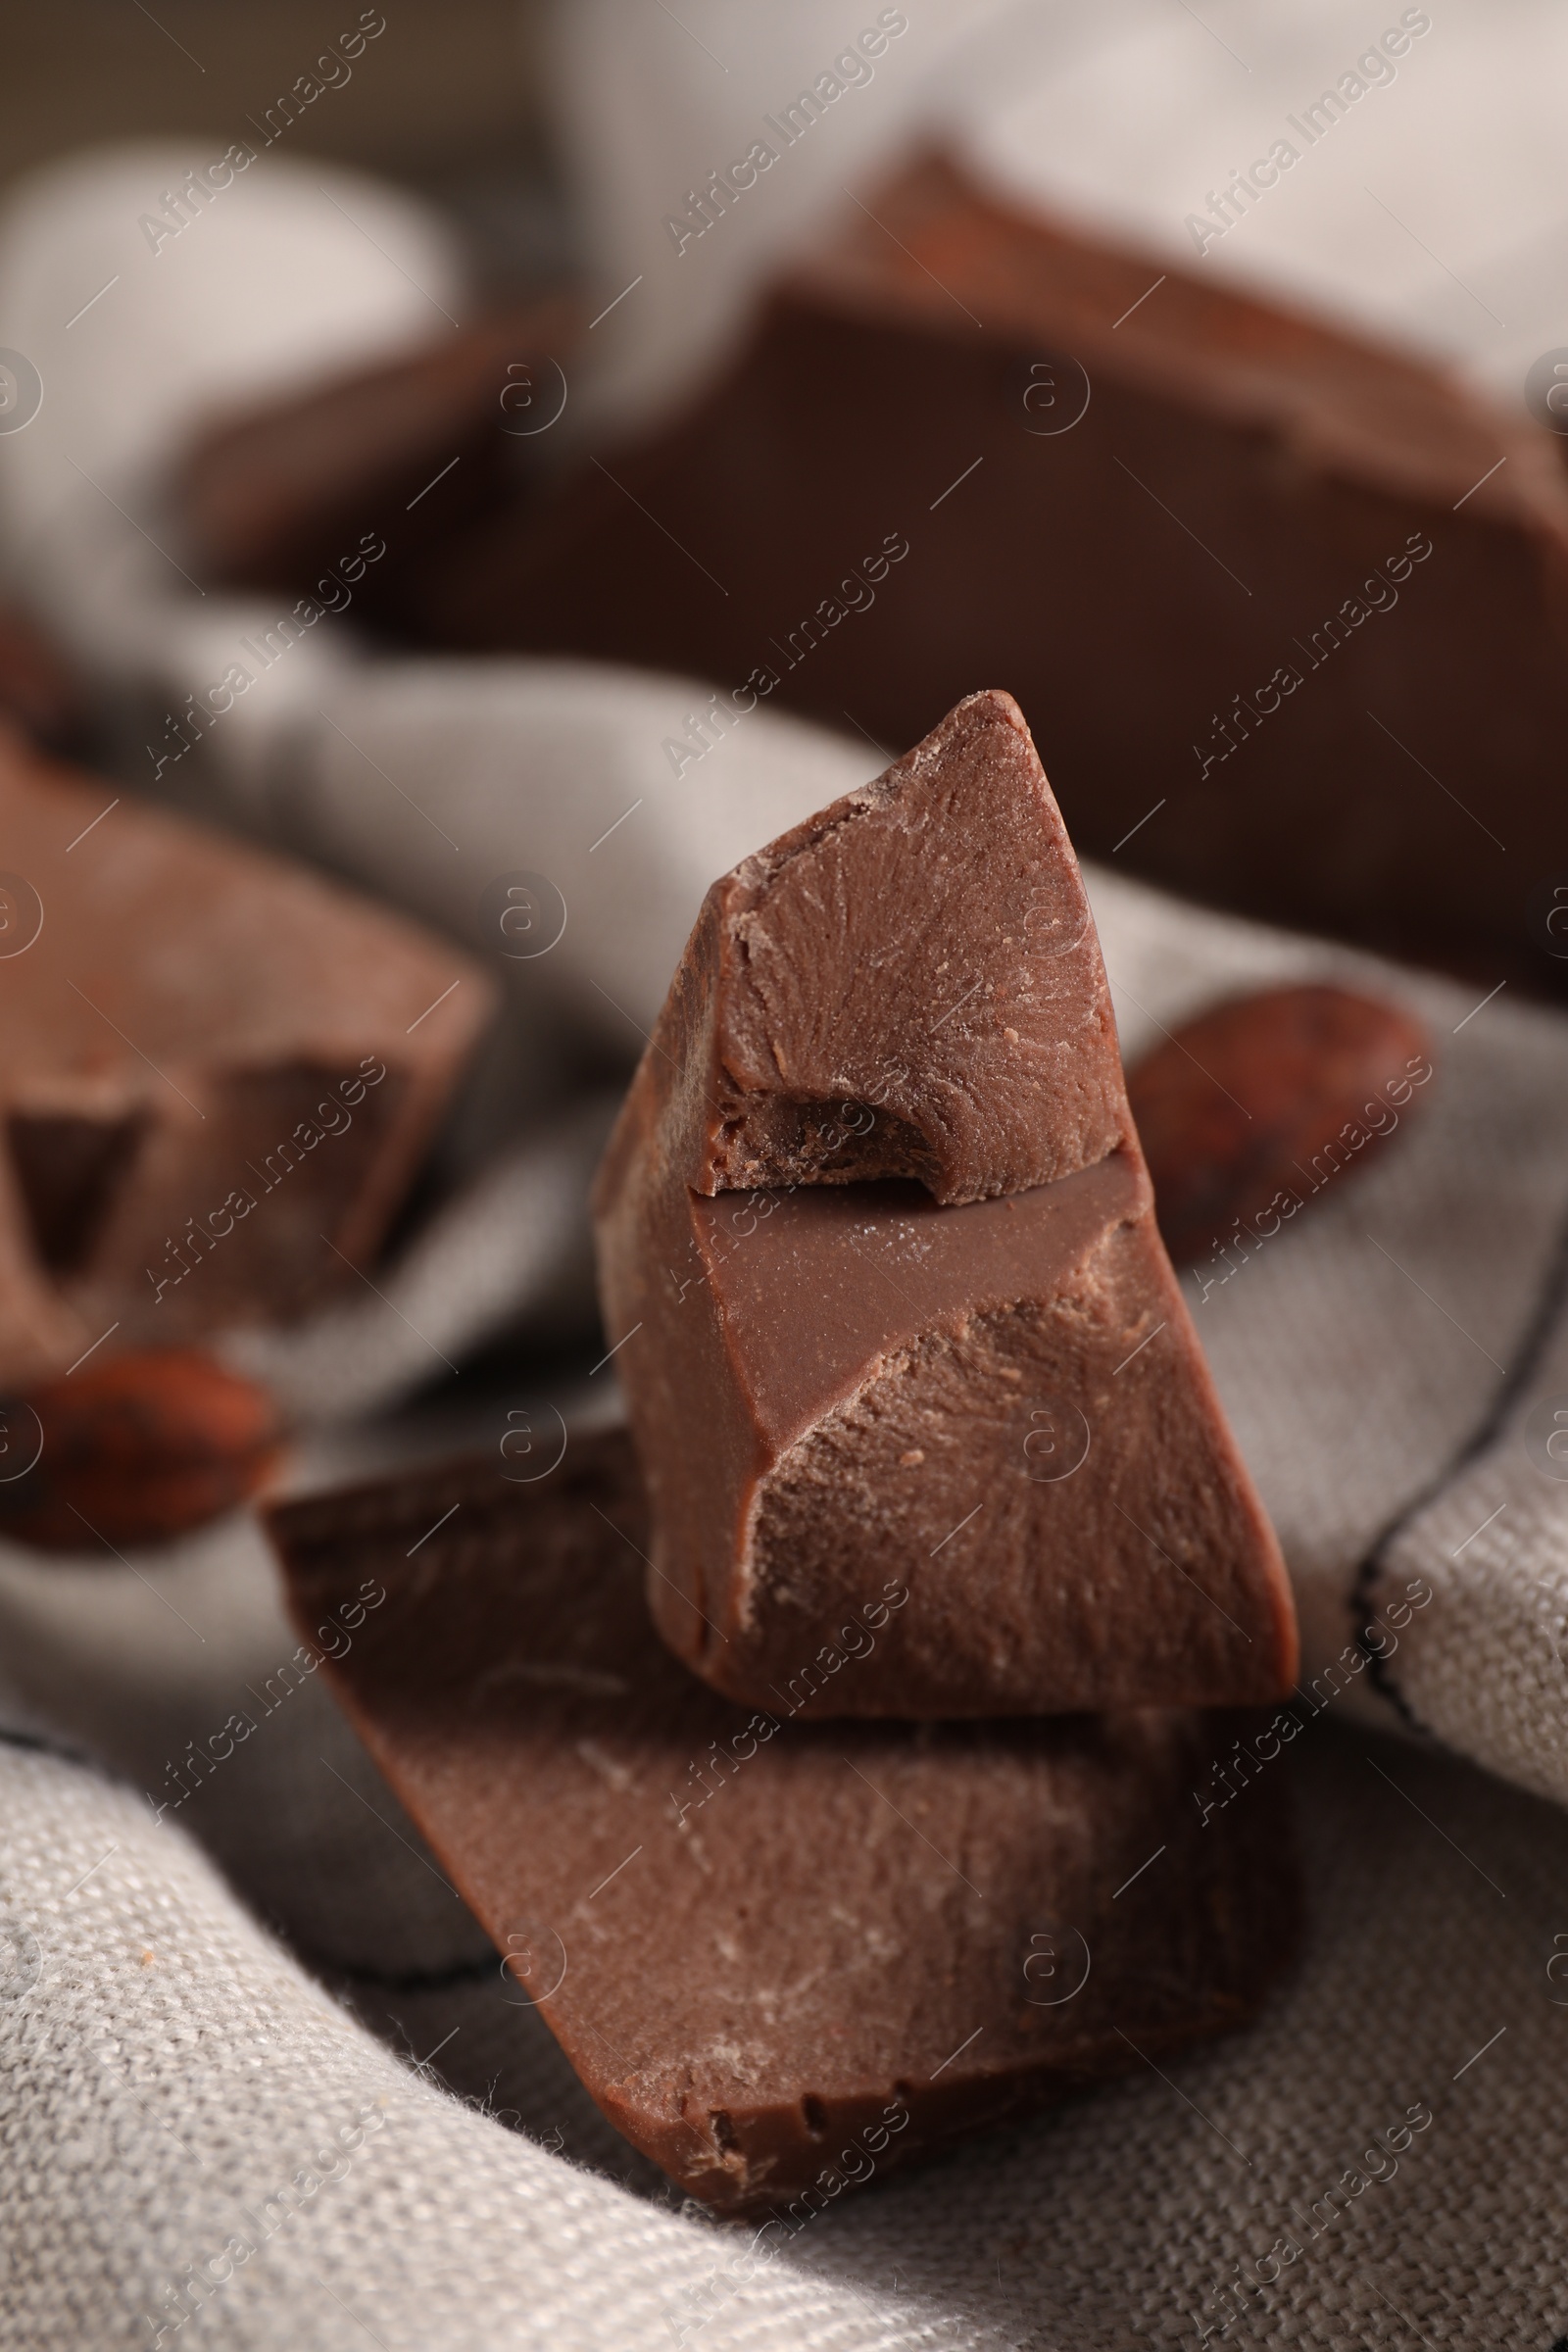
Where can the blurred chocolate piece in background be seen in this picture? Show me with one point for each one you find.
(1285, 610)
(40, 690)
(435, 439)
(218, 1074)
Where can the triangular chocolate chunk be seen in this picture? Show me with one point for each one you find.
(880, 1269)
(906, 985)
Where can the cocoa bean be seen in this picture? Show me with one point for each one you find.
(138, 1449)
(1260, 1105)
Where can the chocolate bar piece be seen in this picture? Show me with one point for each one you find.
(1262, 588)
(782, 1958)
(271, 495)
(908, 984)
(40, 692)
(842, 1392)
(217, 1078)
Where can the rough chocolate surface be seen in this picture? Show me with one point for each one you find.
(782, 1958)
(995, 1405)
(216, 1076)
(906, 985)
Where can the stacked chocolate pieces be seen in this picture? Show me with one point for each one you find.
(877, 1247)
(921, 1434)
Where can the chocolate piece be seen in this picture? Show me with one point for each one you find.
(908, 984)
(781, 1958)
(1269, 592)
(1248, 1113)
(137, 1450)
(274, 495)
(39, 691)
(998, 1411)
(218, 1074)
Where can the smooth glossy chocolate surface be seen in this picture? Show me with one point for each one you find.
(783, 1958)
(981, 1390)
(996, 1416)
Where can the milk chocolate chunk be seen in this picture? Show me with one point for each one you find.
(217, 1075)
(906, 985)
(1255, 1107)
(284, 490)
(784, 1959)
(965, 1388)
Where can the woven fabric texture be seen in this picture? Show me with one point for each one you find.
(201, 2146)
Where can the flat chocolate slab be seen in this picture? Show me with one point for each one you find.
(782, 1957)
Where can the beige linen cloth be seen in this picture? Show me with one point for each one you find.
(200, 2139)
(261, 2083)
